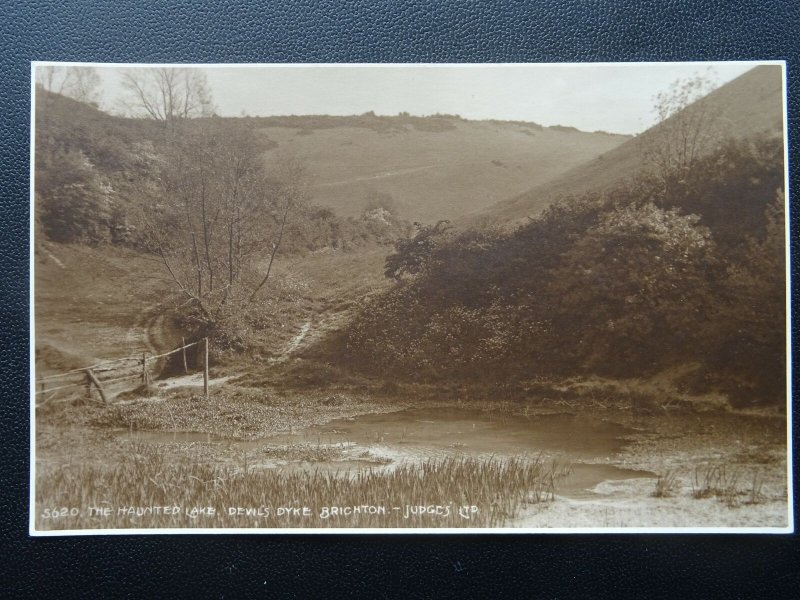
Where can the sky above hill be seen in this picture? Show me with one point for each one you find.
(617, 98)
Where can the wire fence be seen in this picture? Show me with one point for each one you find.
(96, 377)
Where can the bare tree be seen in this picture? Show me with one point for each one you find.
(84, 85)
(80, 83)
(290, 190)
(52, 78)
(218, 215)
(688, 126)
(167, 94)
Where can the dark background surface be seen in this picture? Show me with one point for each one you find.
(535, 566)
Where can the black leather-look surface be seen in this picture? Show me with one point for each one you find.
(388, 31)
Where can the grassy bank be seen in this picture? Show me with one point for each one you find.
(248, 447)
(145, 490)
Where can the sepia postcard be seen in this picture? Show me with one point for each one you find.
(428, 298)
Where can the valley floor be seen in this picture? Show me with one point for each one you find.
(679, 469)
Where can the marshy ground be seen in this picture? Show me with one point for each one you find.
(531, 462)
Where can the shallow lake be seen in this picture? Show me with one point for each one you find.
(417, 434)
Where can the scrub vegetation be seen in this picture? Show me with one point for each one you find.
(348, 270)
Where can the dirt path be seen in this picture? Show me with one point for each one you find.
(312, 331)
(53, 257)
(139, 335)
(295, 342)
(383, 175)
(192, 380)
(149, 332)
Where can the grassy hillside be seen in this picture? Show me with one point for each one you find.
(434, 167)
(87, 308)
(439, 167)
(751, 104)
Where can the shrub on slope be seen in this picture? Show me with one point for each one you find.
(623, 283)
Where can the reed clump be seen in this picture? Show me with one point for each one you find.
(499, 488)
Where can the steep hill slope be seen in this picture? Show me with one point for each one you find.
(750, 104)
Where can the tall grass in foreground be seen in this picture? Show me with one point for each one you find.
(722, 481)
(499, 488)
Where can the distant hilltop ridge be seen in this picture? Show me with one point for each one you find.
(749, 105)
(403, 120)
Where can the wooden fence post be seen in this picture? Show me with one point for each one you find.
(96, 383)
(145, 377)
(185, 366)
(88, 386)
(205, 367)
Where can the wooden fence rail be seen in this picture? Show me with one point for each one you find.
(89, 375)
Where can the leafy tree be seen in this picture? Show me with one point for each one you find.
(412, 255)
(375, 200)
(749, 347)
(633, 288)
(74, 203)
(729, 189)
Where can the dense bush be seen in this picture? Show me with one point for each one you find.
(74, 201)
(626, 282)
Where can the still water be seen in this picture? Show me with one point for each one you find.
(383, 440)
